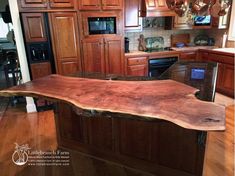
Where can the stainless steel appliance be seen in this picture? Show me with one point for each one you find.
(159, 65)
(102, 25)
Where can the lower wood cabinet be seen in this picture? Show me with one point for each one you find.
(137, 66)
(64, 30)
(225, 75)
(103, 55)
(158, 147)
(188, 55)
(40, 69)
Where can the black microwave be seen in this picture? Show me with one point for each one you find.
(102, 25)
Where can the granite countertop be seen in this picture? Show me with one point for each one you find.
(193, 48)
(174, 51)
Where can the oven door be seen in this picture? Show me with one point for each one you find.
(159, 66)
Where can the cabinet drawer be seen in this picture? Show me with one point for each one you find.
(136, 61)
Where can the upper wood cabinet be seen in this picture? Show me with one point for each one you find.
(158, 8)
(132, 15)
(100, 4)
(64, 30)
(32, 3)
(156, 5)
(61, 3)
(34, 27)
(45, 4)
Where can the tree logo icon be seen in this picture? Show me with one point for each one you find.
(20, 156)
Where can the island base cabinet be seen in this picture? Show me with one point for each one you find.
(158, 147)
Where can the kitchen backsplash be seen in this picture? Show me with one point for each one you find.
(217, 34)
(166, 34)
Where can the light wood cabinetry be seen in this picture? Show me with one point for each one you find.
(100, 4)
(64, 30)
(39, 70)
(225, 76)
(137, 66)
(34, 27)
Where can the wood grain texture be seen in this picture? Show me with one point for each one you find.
(166, 99)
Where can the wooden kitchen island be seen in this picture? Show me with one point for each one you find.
(157, 126)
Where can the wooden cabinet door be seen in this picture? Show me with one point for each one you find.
(64, 29)
(228, 79)
(32, 3)
(112, 4)
(132, 20)
(135, 138)
(114, 53)
(100, 133)
(70, 125)
(34, 27)
(89, 4)
(39, 70)
(137, 70)
(156, 5)
(188, 56)
(67, 67)
(93, 55)
(61, 3)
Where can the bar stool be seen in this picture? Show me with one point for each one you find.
(11, 69)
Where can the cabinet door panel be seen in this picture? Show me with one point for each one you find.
(62, 3)
(156, 5)
(33, 3)
(39, 70)
(114, 55)
(228, 78)
(65, 39)
(93, 55)
(112, 4)
(175, 151)
(89, 4)
(100, 133)
(132, 13)
(135, 138)
(67, 67)
(188, 56)
(34, 27)
(70, 124)
(137, 70)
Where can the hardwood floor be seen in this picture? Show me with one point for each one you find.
(38, 130)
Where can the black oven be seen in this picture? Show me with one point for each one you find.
(102, 25)
(160, 65)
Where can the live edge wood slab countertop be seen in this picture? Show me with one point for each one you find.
(148, 100)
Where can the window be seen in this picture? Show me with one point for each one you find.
(4, 28)
(231, 34)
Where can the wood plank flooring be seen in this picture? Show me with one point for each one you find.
(38, 130)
